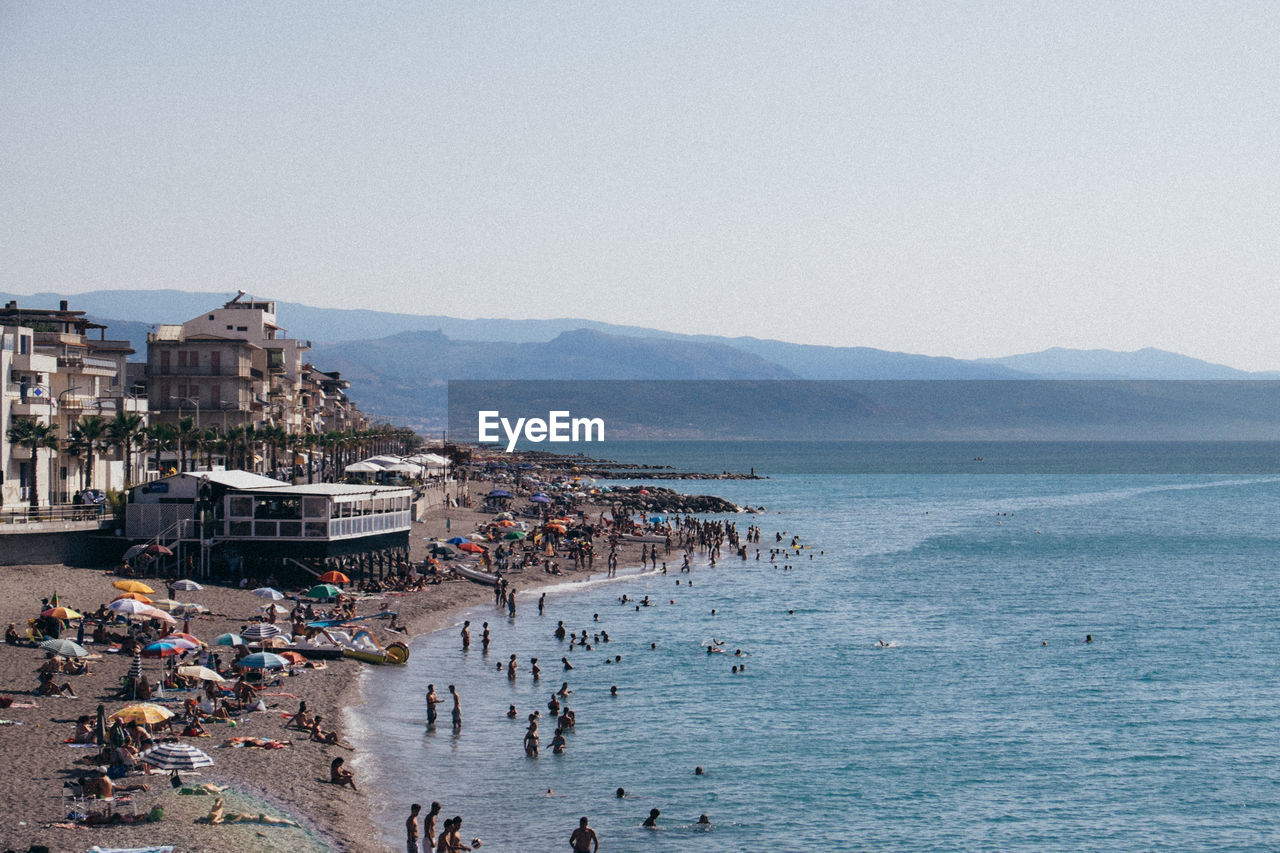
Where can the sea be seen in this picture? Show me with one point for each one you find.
(1003, 647)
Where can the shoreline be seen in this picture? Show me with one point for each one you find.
(285, 782)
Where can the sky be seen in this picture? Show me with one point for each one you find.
(966, 179)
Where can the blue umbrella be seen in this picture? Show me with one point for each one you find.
(263, 660)
(540, 499)
(499, 493)
(457, 540)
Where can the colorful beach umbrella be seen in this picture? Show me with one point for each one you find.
(323, 590)
(174, 755)
(185, 585)
(186, 637)
(334, 577)
(165, 649)
(129, 607)
(65, 648)
(133, 586)
(262, 660)
(228, 640)
(133, 596)
(143, 712)
(61, 613)
(268, 592)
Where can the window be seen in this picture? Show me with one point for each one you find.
(241, 507)
(164, 361)
(24, 344)
(240, 328)
(215, 362)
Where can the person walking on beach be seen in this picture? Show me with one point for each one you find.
(457, 708)
(429, 827)
(411, 829)
(584, 839)
(432, 701)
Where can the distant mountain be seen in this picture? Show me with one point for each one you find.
(1148, 363)
(399, 363)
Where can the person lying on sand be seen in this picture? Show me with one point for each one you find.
(218, 816)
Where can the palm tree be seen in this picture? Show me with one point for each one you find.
(159, 438)
(33, 435)
(186, 436)
(77, 447)
(123, 432)
(91, 431)
(235, 447)
(211, 441)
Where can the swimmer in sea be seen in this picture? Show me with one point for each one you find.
(651, 822)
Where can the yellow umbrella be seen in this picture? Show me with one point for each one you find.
(136, 596)
(143, 712)
(165, 603)
(133, 586)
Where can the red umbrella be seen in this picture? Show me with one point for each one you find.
(153, 548)
(472, 547)
(334, 577)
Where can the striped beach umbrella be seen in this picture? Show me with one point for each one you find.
(228, 640)
(129, 607)
(135, 668)
(268, 592)
(185, 585)
(262, 660)
(176, 756)
(260, 631)
(61, 613)
(65, 648)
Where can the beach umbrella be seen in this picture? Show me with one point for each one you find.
(155, 613)
(133, 596)
(279, 641)
(506, 522)
(186, 637)
(324, 590)
(515, 534)
(165, 649)
(268, 592)
(558, 528)
(203, 673)
(540, 499)
(499, 493)
(187, 586)
(262, 660)
(228, 640)
(129, 607)
(135, 668)
(457, 540)
(503, 516)
(143, 712)
(657, 519)
(470, 547)
(65, 648)
(333, 577)
(61, 613)
(134, 550)
(260, 631)
(133, 586)
(175, 755)
(165, 603)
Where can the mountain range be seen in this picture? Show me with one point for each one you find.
(399, 363)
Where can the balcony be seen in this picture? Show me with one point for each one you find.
(233, 371)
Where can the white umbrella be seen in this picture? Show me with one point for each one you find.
(268, 592)
(129, 607)
(203, 673)
(187, 586)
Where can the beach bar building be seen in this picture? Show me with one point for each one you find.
(210, 518)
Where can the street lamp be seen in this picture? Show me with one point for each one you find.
(194, 400)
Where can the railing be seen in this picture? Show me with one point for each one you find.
(64, 512)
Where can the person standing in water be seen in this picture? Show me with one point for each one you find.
(584, 838)
(432, 701)
(457, 708)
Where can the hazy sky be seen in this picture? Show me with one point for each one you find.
(950, 178)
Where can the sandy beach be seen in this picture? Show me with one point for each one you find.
(289, 782)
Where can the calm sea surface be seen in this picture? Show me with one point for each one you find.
(986, 724)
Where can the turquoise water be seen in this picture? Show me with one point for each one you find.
(966, 733)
